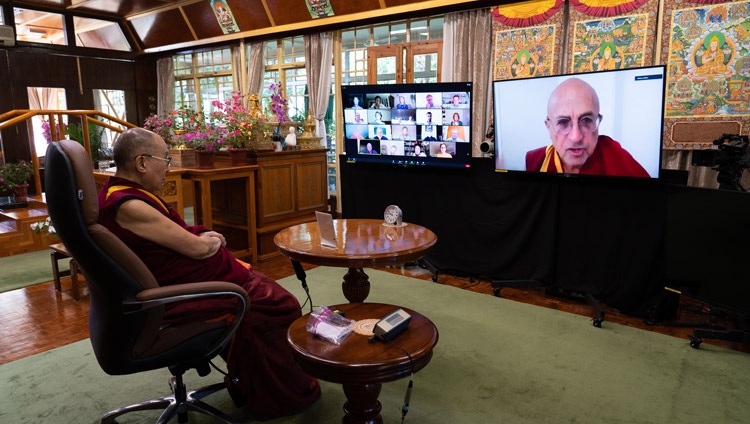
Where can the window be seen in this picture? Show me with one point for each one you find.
(403, 51)
(97, 33)
(46, 98)
(202, 77)
(34, 26)
(285, 63)
(111, 102)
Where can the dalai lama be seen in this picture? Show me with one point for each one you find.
(573, 120)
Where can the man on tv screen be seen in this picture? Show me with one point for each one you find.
(573, 120)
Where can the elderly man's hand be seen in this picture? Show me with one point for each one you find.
(216, 235)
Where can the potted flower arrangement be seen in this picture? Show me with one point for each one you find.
(169, 125)
(16, 176)
(172, 126)
(244, 128)
(206, 140)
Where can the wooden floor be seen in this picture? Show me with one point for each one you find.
(38, 318)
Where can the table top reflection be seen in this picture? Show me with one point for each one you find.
(361, 243)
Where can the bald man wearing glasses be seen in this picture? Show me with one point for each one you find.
(262, 373)
(573, 120)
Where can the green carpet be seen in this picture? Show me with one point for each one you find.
(496, 361)
(27, 269)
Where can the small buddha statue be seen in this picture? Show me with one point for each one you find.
(291, 138)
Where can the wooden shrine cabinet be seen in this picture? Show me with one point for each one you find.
(171, 190)
(290, 187)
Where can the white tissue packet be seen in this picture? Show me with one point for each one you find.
(331, 326)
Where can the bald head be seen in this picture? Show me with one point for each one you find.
(572, 91)
(132, 142)
(140, 155)
(569, 103)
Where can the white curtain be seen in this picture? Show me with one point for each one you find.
(255, 68)
(41, 98)
(165, 85)
(318, 60)
(237, 64)
(467, 56)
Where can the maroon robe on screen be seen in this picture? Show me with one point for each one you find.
(609, 158)
(268, 380)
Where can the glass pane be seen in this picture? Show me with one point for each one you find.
(425, 67)
(272, 53)
(398, 33)
(294, 49)
(381, 35)
(386, 69)
(183, 64)
(295, 90)
(100, 34)
(56, 101)
(418, 31)
(39, 27)
(111, 102)
(436, 29)
(362, 38)
(185, 95)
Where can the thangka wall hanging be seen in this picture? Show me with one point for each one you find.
(611, 34)
(224, 16)
(706, 47)
(319, 8)
(527, 39)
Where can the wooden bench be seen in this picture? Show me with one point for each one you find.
(57, 252)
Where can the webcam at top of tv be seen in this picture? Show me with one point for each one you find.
(730, 156)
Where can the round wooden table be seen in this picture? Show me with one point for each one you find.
(361, 243)
(362, 366)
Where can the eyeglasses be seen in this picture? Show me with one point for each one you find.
(586, 124)
(167, 159)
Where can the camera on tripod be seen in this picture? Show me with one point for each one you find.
(730, 158)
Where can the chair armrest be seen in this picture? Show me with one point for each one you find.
(158, 296)
(205, 287)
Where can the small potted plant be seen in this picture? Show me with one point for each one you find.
(17, 175)
(206, 141)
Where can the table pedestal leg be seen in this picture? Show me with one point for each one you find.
(362, 405)
(356, 285)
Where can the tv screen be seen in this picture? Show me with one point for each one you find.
(408, 124)
(605, 123)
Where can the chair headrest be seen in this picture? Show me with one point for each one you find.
(83, 169)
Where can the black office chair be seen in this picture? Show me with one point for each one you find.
(126, 319)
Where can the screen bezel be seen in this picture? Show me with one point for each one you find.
(462, 150)
(634, 118)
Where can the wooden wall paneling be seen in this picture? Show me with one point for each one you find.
(168, 27)
(249, 14)
(202, 19)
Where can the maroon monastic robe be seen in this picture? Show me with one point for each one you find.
(609, 158)
(262, 372)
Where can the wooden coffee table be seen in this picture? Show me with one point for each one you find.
(362, 366)
(361, 243)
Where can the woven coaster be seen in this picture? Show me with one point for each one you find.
(365, 326)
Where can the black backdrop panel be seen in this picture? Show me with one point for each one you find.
(611, 240)
(708, 245)
(488, 224)
(600, 236)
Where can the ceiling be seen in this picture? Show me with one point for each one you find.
(163, 25)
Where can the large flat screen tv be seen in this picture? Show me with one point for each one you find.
(408, 124)
(556, 125)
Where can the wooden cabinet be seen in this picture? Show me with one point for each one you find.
(290, 187)
(171, 190)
